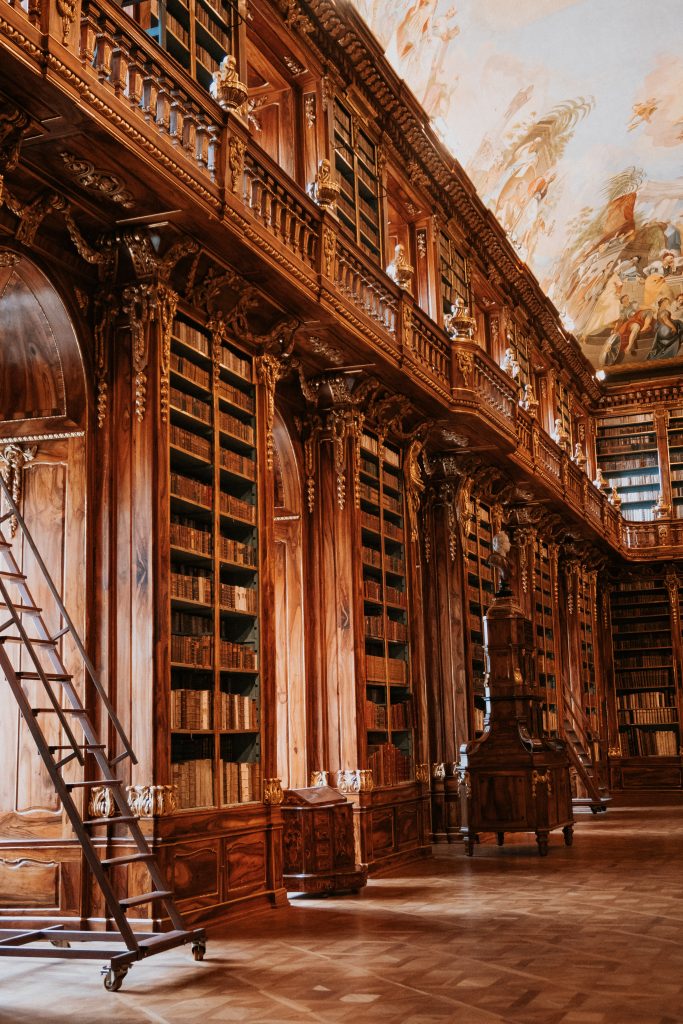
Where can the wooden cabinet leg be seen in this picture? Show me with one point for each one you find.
(542, 840)
(500, 838)
(568, 833)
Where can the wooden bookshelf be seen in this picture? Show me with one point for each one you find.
(355, 161)
(645, 680)
(214, 597)
(479, 585)
(628, 457)
(453, 274)
(587, 634)
(546, 639)
(675, 442)
(197, 33)
(389, 710)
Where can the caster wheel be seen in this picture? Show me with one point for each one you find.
(113, 978)
(594, 810)
(198, 950)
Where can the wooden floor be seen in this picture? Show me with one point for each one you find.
(590, 935)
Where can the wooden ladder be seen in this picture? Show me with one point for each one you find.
(575, 732)
(22, 624)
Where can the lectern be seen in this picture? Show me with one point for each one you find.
(513, 778)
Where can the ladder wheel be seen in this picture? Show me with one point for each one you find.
(198, 950)
(113, 978)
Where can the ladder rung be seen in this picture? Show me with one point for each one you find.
(67, 760)
(12, 575)
(131, 858)
(93, 783)
(147, 897)
(54, 676)
(116, 820)
(119, 758)
(61, 633)
(31, 608)
(65, 711)
(80, 746)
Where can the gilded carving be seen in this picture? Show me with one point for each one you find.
(219, 332)
(538, 778)
(101, 803)
(319, 777)
(337, 429)
(167, 303)
(138, 304)
(272, 791)
(414, 484)
(325, 189)
(9, 259)
(329, 250)
(31, 215)
(269, 370)
(355, 780)
(672, 585)
(422, 773)
(465, 362)
(236, 151)
(13, 458)
(13, 126)
(464, 781)
(67, 12)
(438, 770)
(309, 111)
(103, 184)
(152, 801)
(226, 87)
(356, 421)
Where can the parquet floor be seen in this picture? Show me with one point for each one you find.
(588, 935)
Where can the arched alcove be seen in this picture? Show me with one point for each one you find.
(290, 668)
(42, 380)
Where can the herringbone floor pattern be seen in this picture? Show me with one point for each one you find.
(588, 935)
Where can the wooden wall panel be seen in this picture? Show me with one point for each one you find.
(245, 864)
(27, 883)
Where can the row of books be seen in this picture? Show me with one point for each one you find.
(369, 493)
(629, 645)
(240, 599)
(236, 397)
(648, 716)
(192, 584)
(392, 595)
(194, 780)
(237, 712)
(375, 715)
(637, 481)
(369, 468)
(372, 590)
(191, 709)
(186, 368)
(372, 556)
(649, 743)
(236, 428)
(634, 443)
(643, 661)
(642, 699)
(237, 507)
(235, 551)
(374, 626)
(240, 781)
(478, 719)
(647, 626)
(190, 442)
(205, 19)
(658, 680)
(198, 652)
(206, 58)
(395, 670)
(391, 503)
(190, 404)
(389, 765)
(550, 721)
(402, 715)
(187, 533)
(237, 463)
(396, 630)
(187, 624)
(621, 465)
(192, 490)
(201, 343)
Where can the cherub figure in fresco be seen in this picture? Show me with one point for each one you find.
(668, 332)
(421, 43)
(632, 322)
(642, 113)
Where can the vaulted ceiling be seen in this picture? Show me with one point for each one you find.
(568, 117)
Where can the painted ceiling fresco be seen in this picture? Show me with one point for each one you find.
(568, 117)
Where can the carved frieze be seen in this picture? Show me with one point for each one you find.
(269, 370)
(13, 126)
(272, 791)
(102, 184)
(152, 801)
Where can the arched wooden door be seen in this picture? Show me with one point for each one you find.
(288, 571)
(42, 455)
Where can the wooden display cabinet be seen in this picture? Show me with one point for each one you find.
(513, 779)
(318, 842)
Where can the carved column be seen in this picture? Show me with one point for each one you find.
(445, 630)
(661, 425)
(332, 453)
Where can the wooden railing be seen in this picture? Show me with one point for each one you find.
(280, 207)
(428, 346)
(496, 390)
(366, 286)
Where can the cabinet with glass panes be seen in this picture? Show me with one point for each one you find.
(214, 698)
(626, 448)
(389, 710)
(197, 33)
(355, 161)
(479, 584)
(645, 679)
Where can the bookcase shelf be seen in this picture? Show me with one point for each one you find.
(214, 597)
(479, 586)
(355, 158)
(628, 456)
(389, 713)
(675, 441)
(645, 684)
